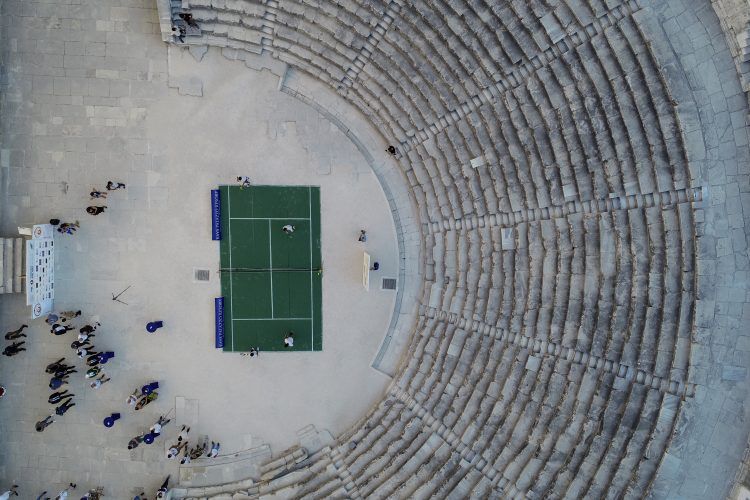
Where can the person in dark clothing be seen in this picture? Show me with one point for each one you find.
(93, 210)
(77, 344)
(57, 397)
(59, 329)
(67, 405)
(57, 365)
(188, 18)
(64, 373)
(42, 424)
(88, 328)
(135, 442)
(16, 333)
(14, 348)
(57, 382)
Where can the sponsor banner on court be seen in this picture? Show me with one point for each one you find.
(215, 215)
(219, 319)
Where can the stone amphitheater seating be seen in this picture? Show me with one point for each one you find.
(554, 366)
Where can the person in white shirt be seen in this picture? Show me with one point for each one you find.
(133, 398)
(63, 495)
(12, 491)
(162, 493)
(289, 340)
(214, 450)
(244, 181)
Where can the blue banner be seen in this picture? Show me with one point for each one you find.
(219, 319)
(215, 215)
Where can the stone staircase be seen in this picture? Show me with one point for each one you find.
(12, 265)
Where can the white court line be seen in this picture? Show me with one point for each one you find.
(231, 288)
(312, 306)
(270, 218)
(268, 319)
(270, 263)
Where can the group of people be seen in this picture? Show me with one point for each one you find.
(98, 195)
(62, 322)
(153, 432)
(61, 370)
(92, 494)
(179, 31)
(15, 347)
(188, 454)
(143, 396)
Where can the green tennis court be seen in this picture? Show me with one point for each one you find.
(271, 280)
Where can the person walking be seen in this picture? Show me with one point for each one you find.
(288, 228)
(188, 18)
(113, 186)
(71, 314)
(199, 450)
(103, 379)
(67, 405)
(178, 33)
(53, 318)
(56, 365)
(83, 337)
(56, 397)
(14, 348)
(63, 495)
(183, 434)
(86, 329)
(146, 400)
(156, 428)
(173, 451)
(362, 236)
(77, 344)
(289, 340)
(163, 489)
(57, 382)
(7, 494)
(214, 450)
(43, 496)
(244, 181)
(16, 333)
(93, 359)
(65, 372)
(84, 351)
(68, 228)
(133, 398)
(59, 329)
(135, 442)
(93, 372)
(43, 424)
(95, 194)
(96, 210)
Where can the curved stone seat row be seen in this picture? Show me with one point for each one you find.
(499, 108)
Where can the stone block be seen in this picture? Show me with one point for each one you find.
(733, 373)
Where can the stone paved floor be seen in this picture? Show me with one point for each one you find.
(87, 100)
